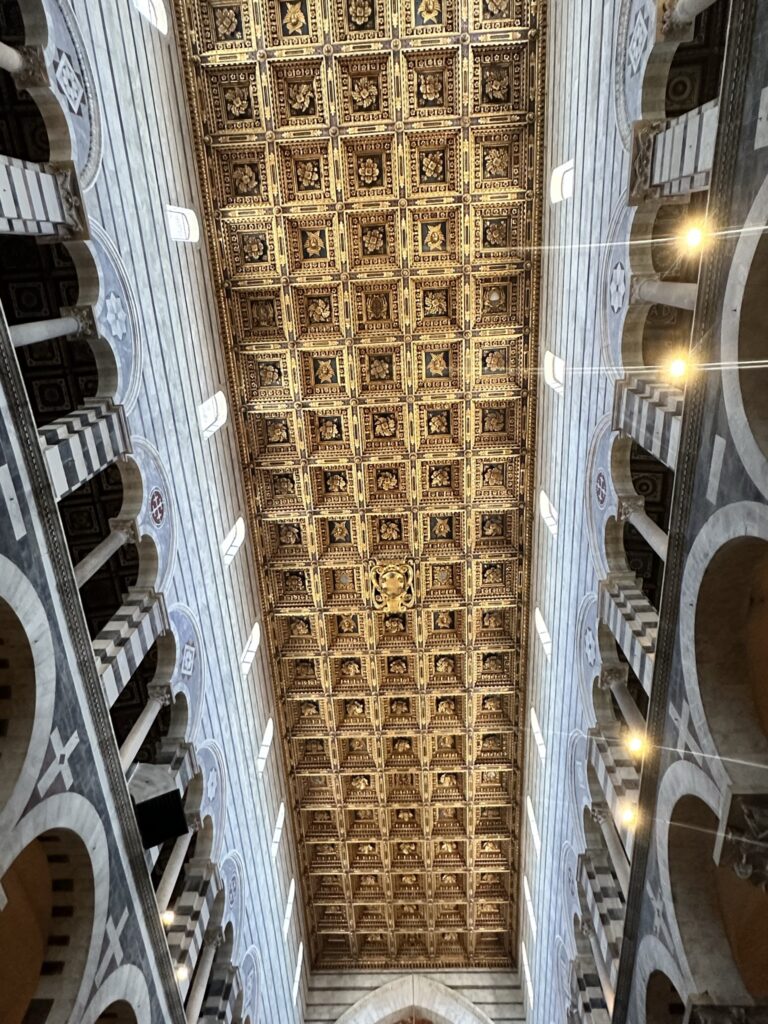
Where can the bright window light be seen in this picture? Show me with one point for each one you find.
(155, 13)
(233, 541)
(183, 225)
(538, 735)
(276, 835)
(527, 972)
(554, 372)
(212, 414)
(548, 513)
(529, 906)
(289, 908)
(266, 745)
(532, 825)
(297, 972)
(249, 652)
(561, 182)
(543, 633)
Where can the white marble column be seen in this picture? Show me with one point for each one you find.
(632, 510)
(87, 567)
(133, 741)
(614, 678)
(173, 868)
(11, 59)
(603, 817)
(605, 982)
(666, 293)
(202, 977)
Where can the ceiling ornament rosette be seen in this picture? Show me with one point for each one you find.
(372, 180)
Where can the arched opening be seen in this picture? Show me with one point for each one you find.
(645, 485)
(61, 374)
(626, 694)
(45, 928)
(118, 1013)
(169, 872)
(753, 345)
(731, 633)
(696, 68)
(721, 917)
(106, 560)
(25, 135)
(663, 1003)
(17, 699)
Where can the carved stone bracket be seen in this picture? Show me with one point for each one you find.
(641, 161)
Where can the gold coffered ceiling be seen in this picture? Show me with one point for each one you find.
(371, 173)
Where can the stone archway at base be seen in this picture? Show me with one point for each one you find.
(421, 997)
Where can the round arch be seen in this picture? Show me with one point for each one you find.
(741, 338)
(71, 820)
(653, 958)
(32, 666)
(387, 1004)
(124, 992)
(727, 557)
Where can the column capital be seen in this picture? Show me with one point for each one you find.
(641, 161)
(612, 676)
(586, 927)
(160, 693)
(74, 226)
(85, 319)
(599, 813)
(34, 70)
(628, 507)
(213, 938)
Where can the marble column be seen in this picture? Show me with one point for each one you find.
(202, 977)
(173, 868)
(603, 817)
(632, 510)
(88, 566)
(157, 700)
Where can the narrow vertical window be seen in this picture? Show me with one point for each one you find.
(543, 633)
(532, 825)
(266, 744)
(554, 372)
(212, 414)
(249, 652)
(527, 972)
(233, 542)
(183, 225)
(279, 824)
(529, 906)
(562, 181)
(297, 972)
(155, 13)
(538, 735)
(289, 908)
(548, 513)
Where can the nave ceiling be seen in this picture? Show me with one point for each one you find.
(371, 172)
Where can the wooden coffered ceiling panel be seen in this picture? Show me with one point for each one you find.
(371, 172)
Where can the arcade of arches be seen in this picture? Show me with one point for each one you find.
(383, 512)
